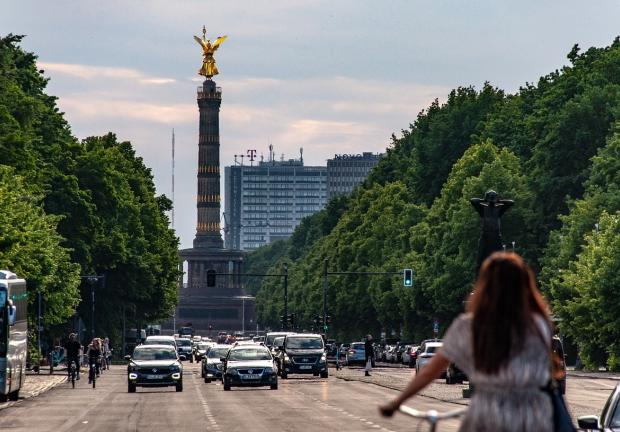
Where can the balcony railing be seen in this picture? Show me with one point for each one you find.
(210, 94)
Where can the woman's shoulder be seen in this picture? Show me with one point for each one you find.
(461, 324)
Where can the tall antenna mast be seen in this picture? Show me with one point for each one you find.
(172, 178)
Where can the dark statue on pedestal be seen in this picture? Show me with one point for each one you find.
(490, 209)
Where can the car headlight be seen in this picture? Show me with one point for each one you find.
(232, 372)
(133, 376)
(219, 366)
(176, 375)
(323, 358)
(268, 370)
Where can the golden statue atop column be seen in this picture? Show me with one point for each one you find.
(208, 69)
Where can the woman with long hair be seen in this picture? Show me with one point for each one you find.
(502, 343)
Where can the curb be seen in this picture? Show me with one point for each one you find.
(46, 387)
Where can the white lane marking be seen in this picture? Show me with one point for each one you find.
(342, 411)
(205, 406)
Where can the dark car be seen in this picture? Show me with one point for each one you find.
(212, 364)
(185, 349)
(609, 420)
(454, 375)
(558, 350)
(200, 349)
(249, 365)
(303, 354)
(154, 366)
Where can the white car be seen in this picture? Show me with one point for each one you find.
(430, 348)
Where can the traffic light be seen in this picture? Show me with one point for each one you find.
(408, 277)
(211, 278)
(283, 320)
(328, 319)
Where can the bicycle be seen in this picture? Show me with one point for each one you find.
(431, 416)
(92, 373)
(72, 373)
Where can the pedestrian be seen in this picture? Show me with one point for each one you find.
(337, 356)
(503, 345)
(369, 354)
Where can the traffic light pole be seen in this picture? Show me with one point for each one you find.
(326, 275)
(325, 286)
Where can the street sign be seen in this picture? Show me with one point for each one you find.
(436, 327)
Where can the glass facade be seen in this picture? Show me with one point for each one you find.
(265, 203)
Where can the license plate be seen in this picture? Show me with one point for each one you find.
(250, 376)
(305, 367)
(154, 376)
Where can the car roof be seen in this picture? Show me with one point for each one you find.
(304, 335)
(160, 337)
(249, 346)
(162, 346)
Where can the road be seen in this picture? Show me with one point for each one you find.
(309, 403)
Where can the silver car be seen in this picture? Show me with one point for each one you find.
(609, 420)
(428, 352)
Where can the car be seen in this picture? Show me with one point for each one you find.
(154, 366)
(609, 419)
(454, 375)
(390, 354)
(259, 339)
(200, 349)
(356, 354)
(162, 340)
(558, 350)
(184, 347)
(211, 366)
(426, 354)
(303, 354)
(269, 337)
(249, 365)
(406, 356)
(400, 349)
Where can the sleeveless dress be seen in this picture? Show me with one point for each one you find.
(512, 399)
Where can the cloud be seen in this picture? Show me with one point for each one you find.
(88, 72)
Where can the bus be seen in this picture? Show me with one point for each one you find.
(13, 334)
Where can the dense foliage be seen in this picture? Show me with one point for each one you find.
(75, 208)
(551, 147)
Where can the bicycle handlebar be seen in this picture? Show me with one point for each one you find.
(431, 415)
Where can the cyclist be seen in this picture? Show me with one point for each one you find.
(94, 356)
(72, 354)
(503, 345)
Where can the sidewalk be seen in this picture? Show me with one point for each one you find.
(35, 384)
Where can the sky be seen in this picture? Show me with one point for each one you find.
(333, 77)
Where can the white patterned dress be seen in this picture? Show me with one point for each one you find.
(510, 400)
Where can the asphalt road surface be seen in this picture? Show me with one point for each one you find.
(306, 403)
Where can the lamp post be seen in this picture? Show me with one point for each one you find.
(91, 280)
(243, 299)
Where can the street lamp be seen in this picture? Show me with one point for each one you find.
(243, 299)
(92, 279)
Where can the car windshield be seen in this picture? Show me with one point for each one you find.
(218, 352)
(184, 342)
(153, 353)
(159, 342)
(242, 354)
(304, 343)
(431, 349)
(278, 341)
(270, 338)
